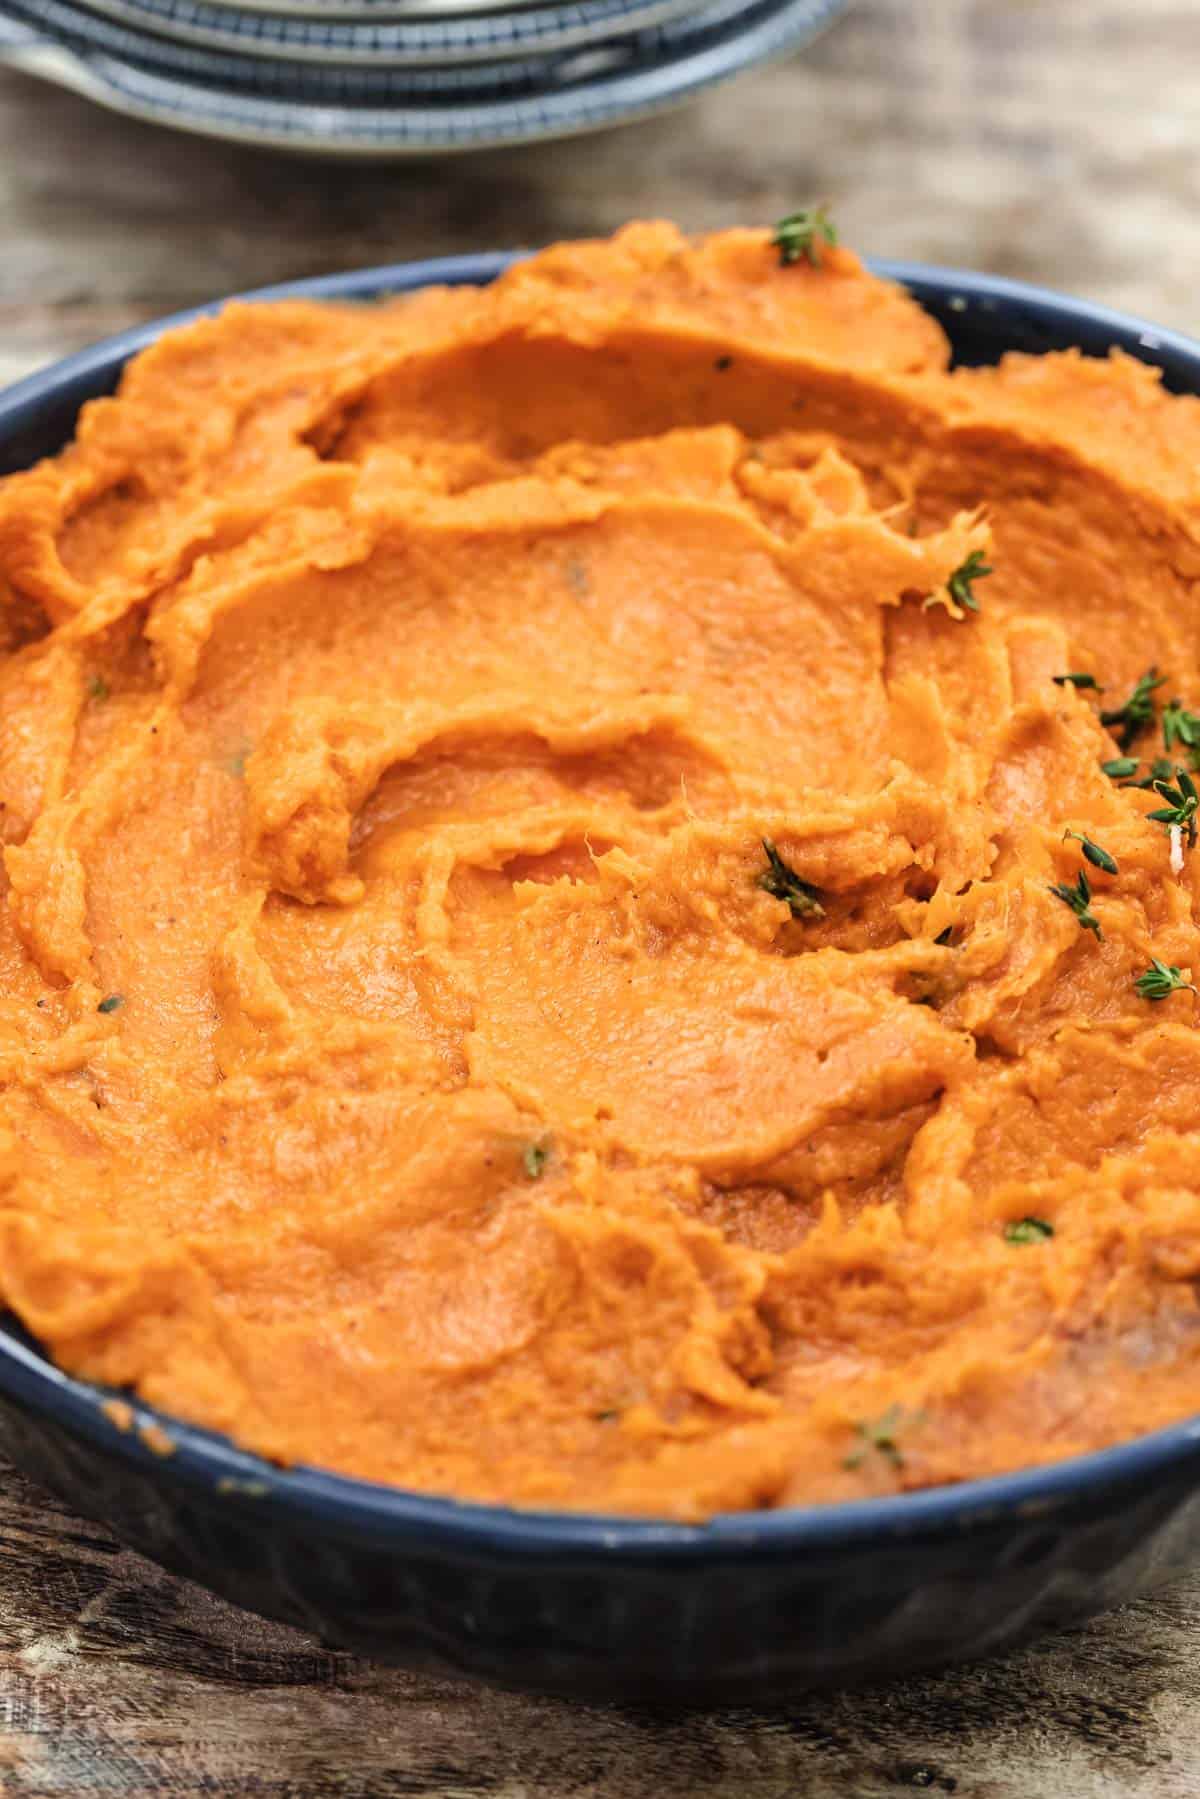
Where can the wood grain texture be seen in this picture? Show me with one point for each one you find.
(116, 1679)
(1049, 139)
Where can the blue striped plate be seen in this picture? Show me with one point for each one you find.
(663, 66)
(485, 37)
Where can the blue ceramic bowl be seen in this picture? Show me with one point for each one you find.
(743, 1609)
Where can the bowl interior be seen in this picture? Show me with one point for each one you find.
(984, 317)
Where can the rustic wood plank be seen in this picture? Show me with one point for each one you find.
(1049, 139)
(116, 1678)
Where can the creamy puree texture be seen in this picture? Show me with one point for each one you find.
(402, 1066)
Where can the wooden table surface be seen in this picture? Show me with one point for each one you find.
(1049, 139)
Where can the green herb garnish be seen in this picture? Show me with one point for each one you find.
(534, 1159)
(1161, 980)
(1180, 726)
(112, 1004)
(1120, 767)
(1182, 800)
(1099, 858)
(878, 1434)
(783, 883)
(1161, 769)
(1079, 899)
(1077, 681)
(98, 689)
(1132, 718)
(1027, 1230)
(802, 234)
(959, 584)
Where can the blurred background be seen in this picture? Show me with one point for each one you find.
(1049, 139)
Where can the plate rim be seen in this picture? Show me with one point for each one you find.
(543, 27)
(406, 130)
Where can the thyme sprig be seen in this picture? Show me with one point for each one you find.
(1079, 899)
(1179, 811)
(878, 1435)
(803, 233)
(1161, 980)
(959, 586)
(1130, 720)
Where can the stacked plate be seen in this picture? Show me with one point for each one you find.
(377, 78)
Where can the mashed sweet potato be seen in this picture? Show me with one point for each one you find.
(541, 954)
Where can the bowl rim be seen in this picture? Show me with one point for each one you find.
(358, 1507)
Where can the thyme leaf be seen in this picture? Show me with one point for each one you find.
(783, 883)
(534, 1159)
(1161, 769)
(1027, 1230)
(1077, 681)
(1099, 858)
(1180, 726)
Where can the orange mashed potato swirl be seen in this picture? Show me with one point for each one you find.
(529, 959)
